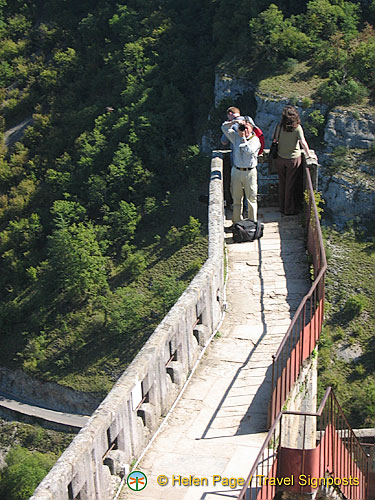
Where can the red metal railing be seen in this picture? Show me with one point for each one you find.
(304, 330)
(320, 450)
(335, 458)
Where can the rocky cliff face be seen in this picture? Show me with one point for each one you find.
(47, 394)
(347, 194)
(269, 111)
(349, 128)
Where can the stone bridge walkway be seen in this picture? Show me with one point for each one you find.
(219, 424)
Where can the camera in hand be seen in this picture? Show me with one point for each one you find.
(241, 127)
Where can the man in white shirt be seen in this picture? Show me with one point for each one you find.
(245, 146)
(233, 113)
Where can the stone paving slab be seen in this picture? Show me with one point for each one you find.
(219, 424)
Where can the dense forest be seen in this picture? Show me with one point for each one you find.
(103, 187)
(100, 224)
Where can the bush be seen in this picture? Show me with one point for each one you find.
(194, 267)
(124, 312)
(362, 63)
(355, 305)
(331, 54)
(289, 65)
(186, 234)
(167, 290)
(24, 471)
(307, 102)
(191, 231)
(324, 18)
(341, 90)
(315, 123)
(134, 264)
(173, 237)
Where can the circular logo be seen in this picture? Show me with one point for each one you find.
(136, 480)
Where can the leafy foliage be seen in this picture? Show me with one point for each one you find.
(111, 97)
(349, 325)
(340, 89)
(315, 123)
(276, 38)
(76, 261)
(24, 471)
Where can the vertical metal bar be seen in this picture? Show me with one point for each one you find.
(268, 459)
(282, 385)
(352, 461)
(322, 445)
(303, 448)
(325, 438)
(261, 488)
(272, 409)
(346, 435)
(332, 434)
(278, 382)
(339, 447)
(302, 337)
(303, 329)
(290, 364)
(316, 313)
(295, 353)
(312, 323)
(284, 374)
(340, 443)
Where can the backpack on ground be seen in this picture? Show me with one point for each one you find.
(259, 134)
(247, 230)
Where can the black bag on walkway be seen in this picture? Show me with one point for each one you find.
(247, 230)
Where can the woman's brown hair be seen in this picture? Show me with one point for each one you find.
(290, 118)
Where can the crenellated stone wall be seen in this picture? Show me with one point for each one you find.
(125, 421)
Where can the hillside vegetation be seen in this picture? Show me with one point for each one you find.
(105, 181)
(347, 347)
(100, 225)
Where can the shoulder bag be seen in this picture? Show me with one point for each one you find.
(273, 151)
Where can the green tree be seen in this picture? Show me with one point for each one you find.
(77, 265)
(325, 18)
(277, 38)
(24, 471)
(127, 176)
(362, 61)
(332, 54)
(125, 314)
(122, 222)
(65, 212)
(167, 290)
(341, 89)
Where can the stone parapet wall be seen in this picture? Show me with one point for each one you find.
(131, 413)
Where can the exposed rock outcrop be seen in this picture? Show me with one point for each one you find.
(347, 196)
(269, 111)
(227, 86)
(352, 129)
(47, 394)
